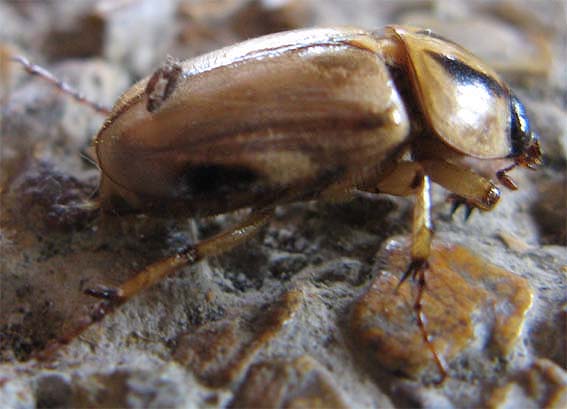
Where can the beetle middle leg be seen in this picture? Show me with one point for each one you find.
(162, 84)
(410, 178)
(113, 297)
(422, 233)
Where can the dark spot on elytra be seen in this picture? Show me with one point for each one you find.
(199, 180)
(466, 75)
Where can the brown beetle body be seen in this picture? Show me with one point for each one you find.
(291, 116)
(302, 115)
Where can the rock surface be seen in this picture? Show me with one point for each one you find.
(306, 314)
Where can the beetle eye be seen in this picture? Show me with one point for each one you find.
(525, 143)
(520, 130)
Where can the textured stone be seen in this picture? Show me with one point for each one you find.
(468, 304)
(207, 334)
(550, 211)
(544, 384)
(302, 383)
(53, 391)
(517, 53)
(219, 351)
(259, 17)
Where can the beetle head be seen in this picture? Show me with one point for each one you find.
(525, 143)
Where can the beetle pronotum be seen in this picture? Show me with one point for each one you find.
(304, 115)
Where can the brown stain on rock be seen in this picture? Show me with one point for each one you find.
(219, 352)
(542, 385)
(301, 383)
(468, 303)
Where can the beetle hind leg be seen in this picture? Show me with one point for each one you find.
(113, 297)
(410, 178)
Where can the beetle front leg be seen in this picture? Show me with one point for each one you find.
(113, 297)
(470, 188)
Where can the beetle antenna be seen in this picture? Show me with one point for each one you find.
(505, 179)
(62, 86)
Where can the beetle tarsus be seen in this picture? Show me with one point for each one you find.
(413, 268)
(99, 311)
(458, 201)
(102, 309)
(417, 270)
(105, 293)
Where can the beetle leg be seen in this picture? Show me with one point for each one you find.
(422, 233)
(162, 83)
(475, 189)
(458, 201)
(152, 274)
(405, 179)
(418, 269)
(212, 246)
(62, 86)
(422, 230)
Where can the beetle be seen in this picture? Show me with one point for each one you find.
(312, 114)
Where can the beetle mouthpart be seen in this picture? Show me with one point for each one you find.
(505, 179)
(532, 158)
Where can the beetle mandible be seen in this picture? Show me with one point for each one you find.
(313, 114)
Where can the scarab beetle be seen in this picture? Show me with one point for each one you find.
(312, 114)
